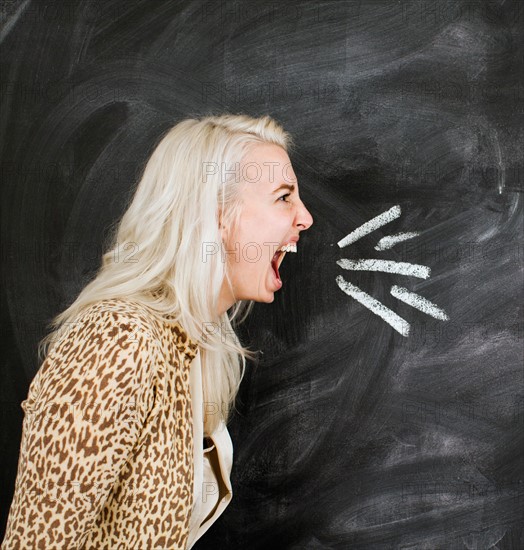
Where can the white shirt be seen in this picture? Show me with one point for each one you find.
(212, 491)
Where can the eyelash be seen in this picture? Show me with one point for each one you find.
(286, 195)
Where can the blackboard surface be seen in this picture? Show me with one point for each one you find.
(349, 432)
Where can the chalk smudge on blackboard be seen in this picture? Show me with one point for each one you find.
(11, 21)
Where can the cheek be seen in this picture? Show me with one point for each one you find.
(261, 224)
(253, 227)
(253, 257)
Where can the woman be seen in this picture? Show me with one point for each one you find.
(124, 440)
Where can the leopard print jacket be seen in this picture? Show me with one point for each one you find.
(106, 458)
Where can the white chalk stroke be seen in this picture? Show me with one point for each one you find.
(389, 241)
(418, 302)
(370, 226)
(387, 266)
(378, 308)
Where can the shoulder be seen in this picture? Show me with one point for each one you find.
(108, 351)
(106, 329)
(111, 321)
(131, 319)
(121, 311)
(117, 330)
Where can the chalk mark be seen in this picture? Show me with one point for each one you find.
(386, 266)
(370, 226)
(390, 241)
(418, 302)
(378, 308)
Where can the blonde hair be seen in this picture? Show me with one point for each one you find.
(175, 210)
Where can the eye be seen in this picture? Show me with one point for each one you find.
(286, 195)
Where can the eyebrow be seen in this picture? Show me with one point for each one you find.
(284, 186)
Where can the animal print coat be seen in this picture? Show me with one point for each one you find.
(106, 458)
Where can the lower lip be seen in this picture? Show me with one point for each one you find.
(278, 282)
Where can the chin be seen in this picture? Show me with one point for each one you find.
(266, 298)
(260, 300)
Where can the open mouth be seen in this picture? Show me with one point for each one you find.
(276, 261)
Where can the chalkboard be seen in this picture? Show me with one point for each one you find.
(387, 408)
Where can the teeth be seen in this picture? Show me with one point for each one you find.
(291, 247)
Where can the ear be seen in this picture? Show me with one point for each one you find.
(224, 232)
(222, 227)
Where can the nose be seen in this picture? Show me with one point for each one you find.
(303, 218)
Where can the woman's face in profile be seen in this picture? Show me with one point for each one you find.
(272, 216)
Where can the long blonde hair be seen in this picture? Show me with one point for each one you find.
(175, 211)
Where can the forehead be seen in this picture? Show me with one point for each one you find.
(269, 164)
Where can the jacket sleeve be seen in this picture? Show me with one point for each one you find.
(83, 417)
